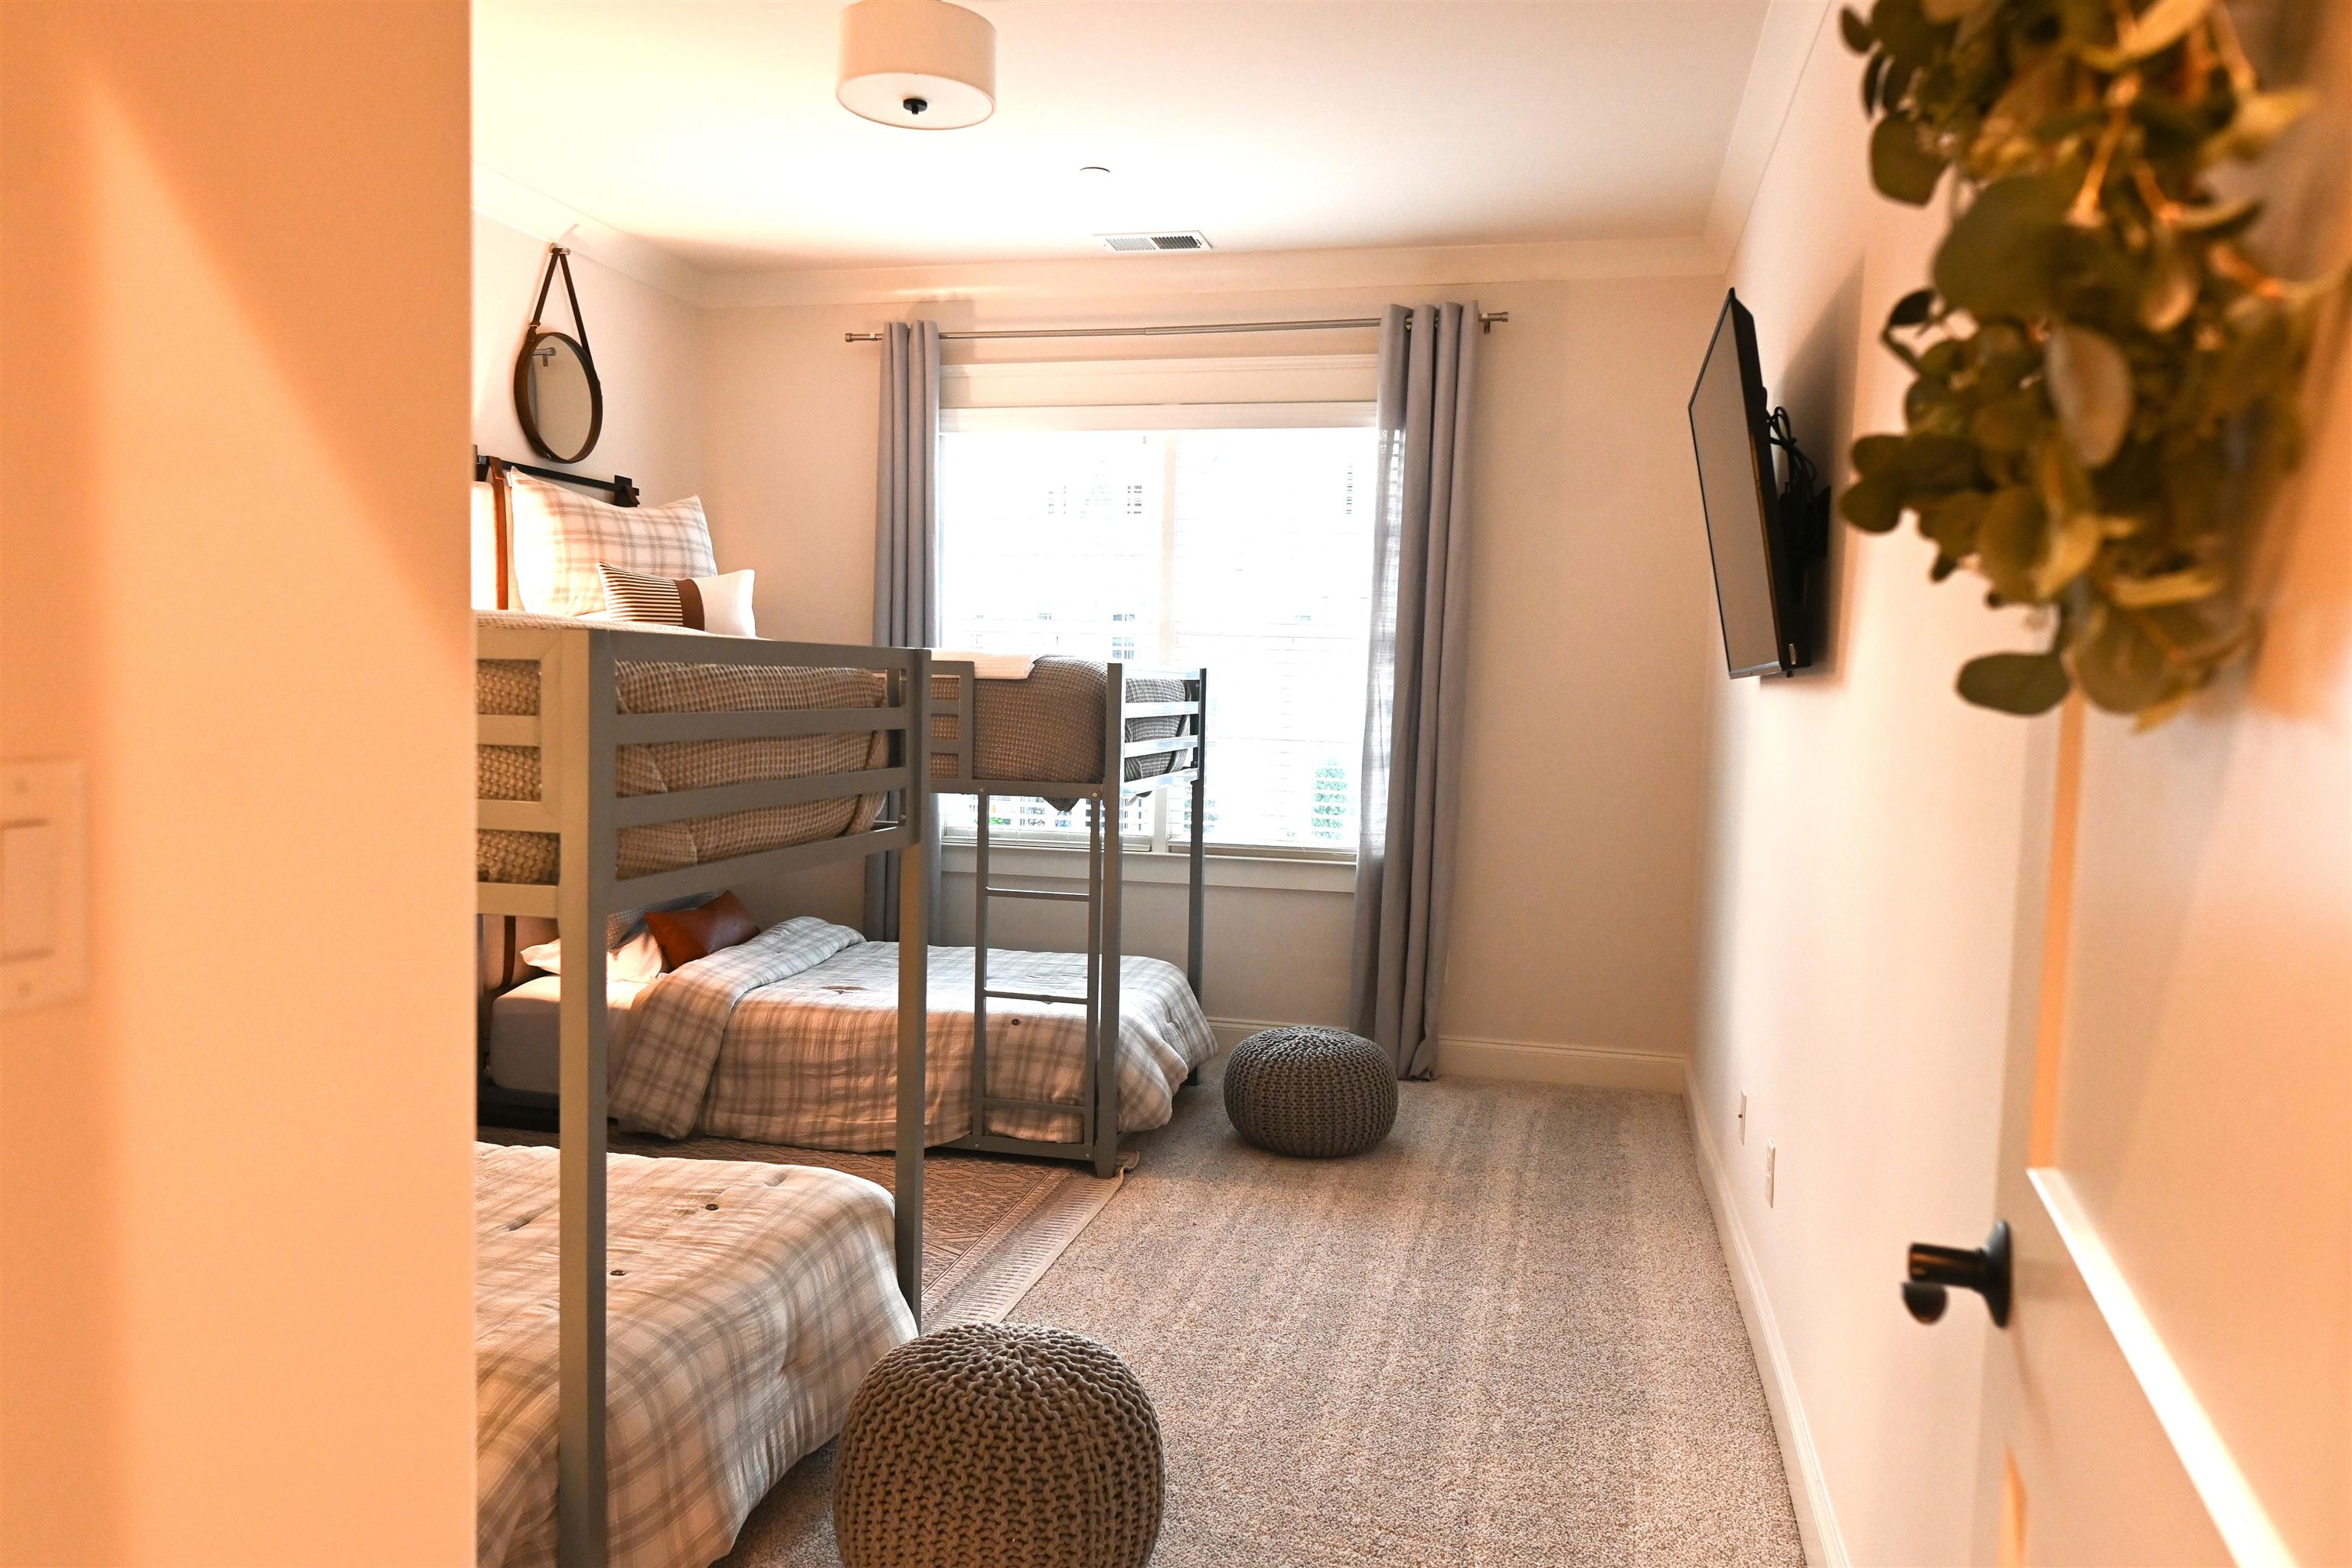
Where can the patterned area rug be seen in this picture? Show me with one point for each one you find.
(991, 1224)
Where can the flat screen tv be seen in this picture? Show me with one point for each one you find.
(1761, 538)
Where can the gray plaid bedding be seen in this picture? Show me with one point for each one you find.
(792, 1038)
(1048, 727)
(748, 1302)
(511, 772)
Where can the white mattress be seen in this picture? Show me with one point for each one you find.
(526, 1052)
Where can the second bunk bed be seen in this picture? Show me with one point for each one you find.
(1070, 731)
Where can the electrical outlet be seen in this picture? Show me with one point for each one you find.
(1743, 1116)
(1771, 1171)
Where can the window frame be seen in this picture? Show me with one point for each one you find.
(1262, 393)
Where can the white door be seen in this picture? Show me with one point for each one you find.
(2175, 1381)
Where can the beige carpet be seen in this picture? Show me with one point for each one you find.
(1505, 1339)
(991, 1225)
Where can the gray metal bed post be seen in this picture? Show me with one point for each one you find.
(1114, 807)
(1096, 809)
(582, 778)
(979, 966)
(914, 981)
(1196, 904)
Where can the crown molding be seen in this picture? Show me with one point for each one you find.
(507, 200)
(1217, 272)
(1791, 28)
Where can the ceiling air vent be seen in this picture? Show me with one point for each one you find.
(1189, 240)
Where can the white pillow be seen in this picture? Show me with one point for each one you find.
(721, 604)
(637, 960)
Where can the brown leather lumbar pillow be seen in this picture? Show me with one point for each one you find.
(685, 936)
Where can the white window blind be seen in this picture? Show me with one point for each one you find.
(1235, 538)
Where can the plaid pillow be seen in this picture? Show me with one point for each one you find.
(561, 535)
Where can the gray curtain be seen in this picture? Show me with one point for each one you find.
(1412, 718)
(906, 559)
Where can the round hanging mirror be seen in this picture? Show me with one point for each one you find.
(558, 398)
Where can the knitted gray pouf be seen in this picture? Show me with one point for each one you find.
(992, 1444)
(1301, 1090)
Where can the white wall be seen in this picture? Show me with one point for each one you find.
(647, 345)
(1591, 655)
(1861, 892)
(237, 1193)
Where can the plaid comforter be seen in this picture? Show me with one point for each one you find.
(748, 1302)
(794, 1037)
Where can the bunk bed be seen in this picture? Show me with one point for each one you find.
(1067, 731)
(578, 835)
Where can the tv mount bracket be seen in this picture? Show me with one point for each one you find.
(1805, 505)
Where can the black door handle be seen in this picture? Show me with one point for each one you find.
(1983, 1270)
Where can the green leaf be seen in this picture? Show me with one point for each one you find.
(1952, 521)
(2168, 292)
(2171, 588)
(2153, 31)
(1877, 455)
(2009, 542)
(1913, 310)
(2066, 550)
(2022, 683)
(1873, 505)
(1858, 35)
(1999, 257)
(1938, 462)
(2091, 386)
(2009, 425)
(1903, 165)
(1901, 25)
(2121, 668)
(2262, 119)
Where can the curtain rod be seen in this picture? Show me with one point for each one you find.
(1488, 321)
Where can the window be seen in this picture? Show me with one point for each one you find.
(1236, 537)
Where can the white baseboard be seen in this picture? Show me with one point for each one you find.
(1520, 1061)
(1232, 1031)
(1809, 1493)
(1532, 1061)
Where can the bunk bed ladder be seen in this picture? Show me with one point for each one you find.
(982, 1101)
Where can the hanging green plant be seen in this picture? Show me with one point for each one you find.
(2106, 387)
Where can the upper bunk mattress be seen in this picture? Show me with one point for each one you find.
(1048, 727)
(511, 772)
(748, 1302)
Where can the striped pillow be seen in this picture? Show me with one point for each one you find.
(561, 536)
(721, 604)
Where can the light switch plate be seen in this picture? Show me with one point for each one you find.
(44, 884)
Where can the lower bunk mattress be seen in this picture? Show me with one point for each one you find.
(748, 1302)
(793, 1037)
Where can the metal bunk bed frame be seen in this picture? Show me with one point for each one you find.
(578, 731)
(1098, 1144)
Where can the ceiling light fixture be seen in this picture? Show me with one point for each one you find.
(920, 64)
